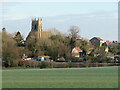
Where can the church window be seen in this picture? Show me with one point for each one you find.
(35, 26)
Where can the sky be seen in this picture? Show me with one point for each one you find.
(98, 19)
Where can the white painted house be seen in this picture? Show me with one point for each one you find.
(76, 52)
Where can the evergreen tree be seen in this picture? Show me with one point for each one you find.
(19, 39)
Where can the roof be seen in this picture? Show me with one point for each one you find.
(97, 38)
(77, 48)
(109, 42)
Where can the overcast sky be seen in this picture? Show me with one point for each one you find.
(94, 18)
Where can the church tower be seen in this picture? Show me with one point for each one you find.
(37, 27)
(36, 30)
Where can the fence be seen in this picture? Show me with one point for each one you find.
(65, 64)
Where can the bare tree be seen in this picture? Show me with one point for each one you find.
(74, 32)
(54, 31)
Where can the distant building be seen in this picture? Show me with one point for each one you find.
(3, 29)
(76, 52)
(106, 49)
(109, 43)
(37, 31)
(96, 41)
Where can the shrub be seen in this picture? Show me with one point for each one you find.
(69, 64)
(43, 65)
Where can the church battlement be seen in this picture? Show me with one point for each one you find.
(36, 19)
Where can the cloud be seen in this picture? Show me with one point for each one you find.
(92, 24)
(2, 5)
(61, 1)
(115, 15)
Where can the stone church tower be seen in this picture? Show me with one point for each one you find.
(36, 29)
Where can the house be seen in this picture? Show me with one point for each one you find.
(109, 43)
(76, 52)
(96, 41)
(106, 49)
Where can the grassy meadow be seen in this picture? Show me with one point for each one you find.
(92, 77)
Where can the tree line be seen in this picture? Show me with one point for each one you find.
(57, 45)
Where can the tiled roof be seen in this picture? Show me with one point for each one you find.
(77, 48)
(109, 42)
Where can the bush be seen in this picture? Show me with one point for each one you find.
(69, 65)
(43, 65)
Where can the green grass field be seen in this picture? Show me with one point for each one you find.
(94, 77)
